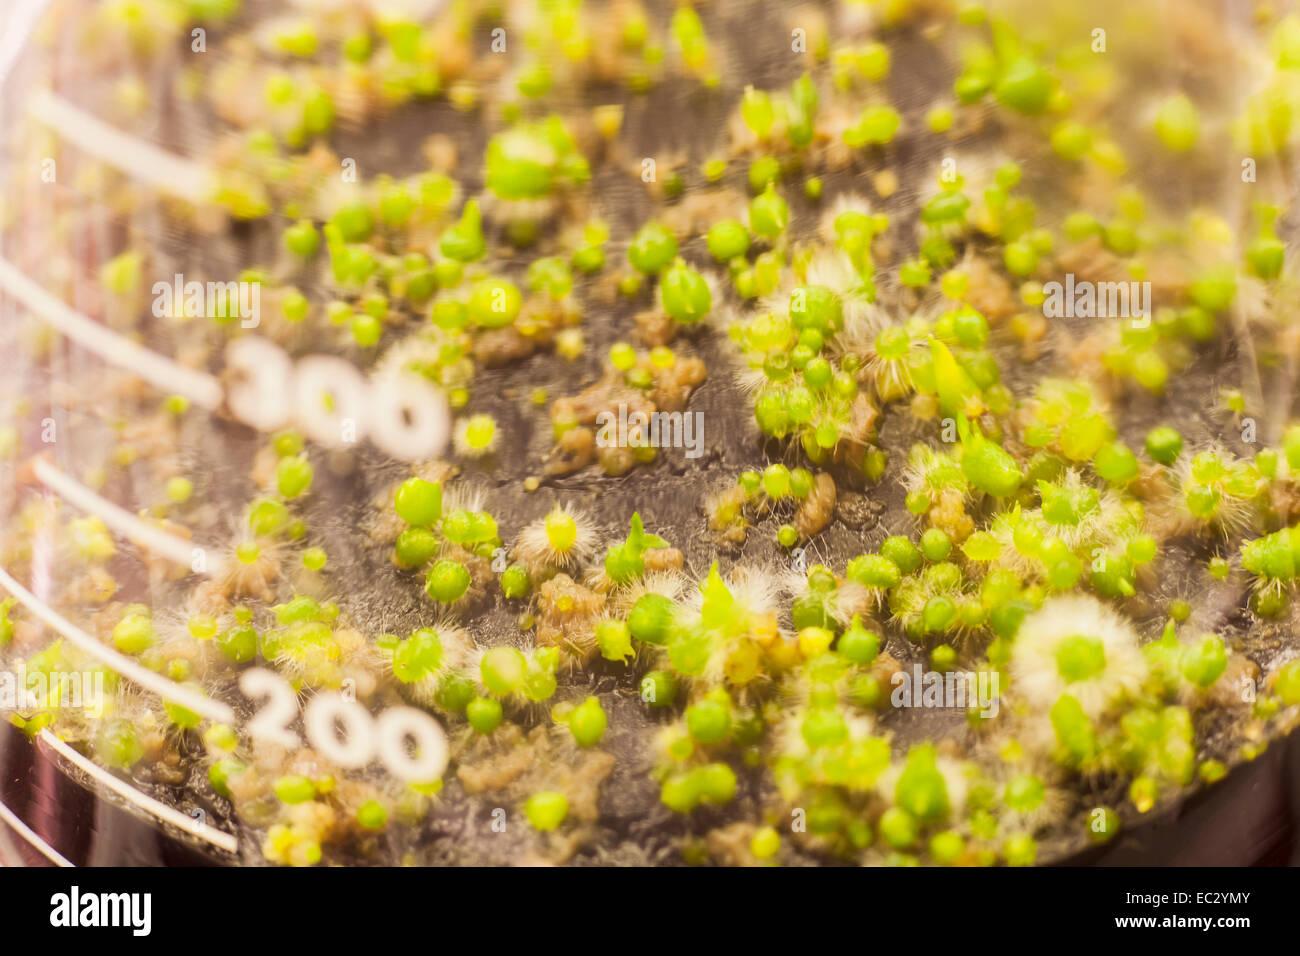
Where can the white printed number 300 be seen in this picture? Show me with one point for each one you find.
(362, 737)
(329, 400)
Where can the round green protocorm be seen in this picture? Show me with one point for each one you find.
(653, 248)
(484, 714)
(727, 240)
(419, 502)
(709, 721)
(447, 581)
(503, 670)
(515, 581)
(769, 213)
(684, 294)
(372, 815)
(651, 618)
(416, 546)
(293, 476)
(587, 722)
(133, 634)
(546, 810)
(1164, 444)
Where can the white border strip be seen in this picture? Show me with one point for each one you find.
(218, 838)
(135, 157)
(152, 539)
(132, 670)
(200, 387)
(33, 838)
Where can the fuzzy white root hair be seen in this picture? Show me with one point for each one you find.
(1035, 673)
(534, 549)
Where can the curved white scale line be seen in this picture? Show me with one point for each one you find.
(171, 377)
(137, 158)
(33, 838)
(22, 21)
(132, 670)
(152, 539)
(156, 808)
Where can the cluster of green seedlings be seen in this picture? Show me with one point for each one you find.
(613, 421)
(270, 524)
(380, 277)
(684, 293)
(461, 534)
(302, 637)
(1035, 513)
(441, 662)
(725, 645)
(801, 500)
(531, 160)
(1085, 698)
(1069, 500)
(378, 236)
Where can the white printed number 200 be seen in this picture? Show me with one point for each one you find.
(363, 737)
